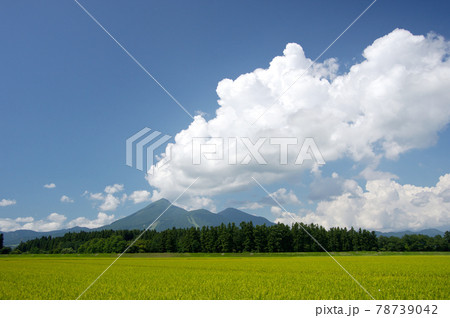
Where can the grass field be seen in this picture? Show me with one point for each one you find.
(299, 276)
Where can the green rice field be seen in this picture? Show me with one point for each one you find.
(291, 276)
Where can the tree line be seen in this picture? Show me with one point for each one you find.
(233, 239)
(3, 249)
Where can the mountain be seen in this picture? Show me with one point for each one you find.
(172, 217)
(14, 238)
(166, 215)
(234, 215)
(180, 218)
(207, 218)
(428, 232)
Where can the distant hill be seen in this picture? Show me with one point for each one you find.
(428, 232)
(234, 215)
(181, 218)
(14, 238)
(173, 217)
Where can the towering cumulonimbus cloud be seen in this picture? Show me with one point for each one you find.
(395, 100)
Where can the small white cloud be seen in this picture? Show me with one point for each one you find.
(25, 219)
(55, 217)
(66, 199)
(50, 186)
(285, 197)
(110, 203)
(102, 219)
(283, 216)
(276, 210)
(52, 222)
(200, 113)
(251, 206)
(140, 196)
(5, 202)
(96, 196)
(114, 188)
(8, 224)
(193, 203)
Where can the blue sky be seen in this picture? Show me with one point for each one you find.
(70, 97)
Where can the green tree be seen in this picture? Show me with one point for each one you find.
(279, 238)
(247, 230)
(447, 240)
(224, 238)
(261, 233)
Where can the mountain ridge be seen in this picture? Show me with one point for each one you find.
(161, 215)
(152, 216)
(14, 238)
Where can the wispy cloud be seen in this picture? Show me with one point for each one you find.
(50, 186)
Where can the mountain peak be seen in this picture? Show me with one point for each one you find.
(160, 202)
(161, 215)
(229, 211)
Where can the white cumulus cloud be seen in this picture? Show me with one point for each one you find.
(114, 188)
(282, 216)
(386, 205)
(66, 199)
(52, 222)
(251, 206)
(50, 186)
(140, 196)
(96, 196)
(109, 202)
(284, 196)
(6, 202)
(102, 219)
(26, 219)
(395, 100)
